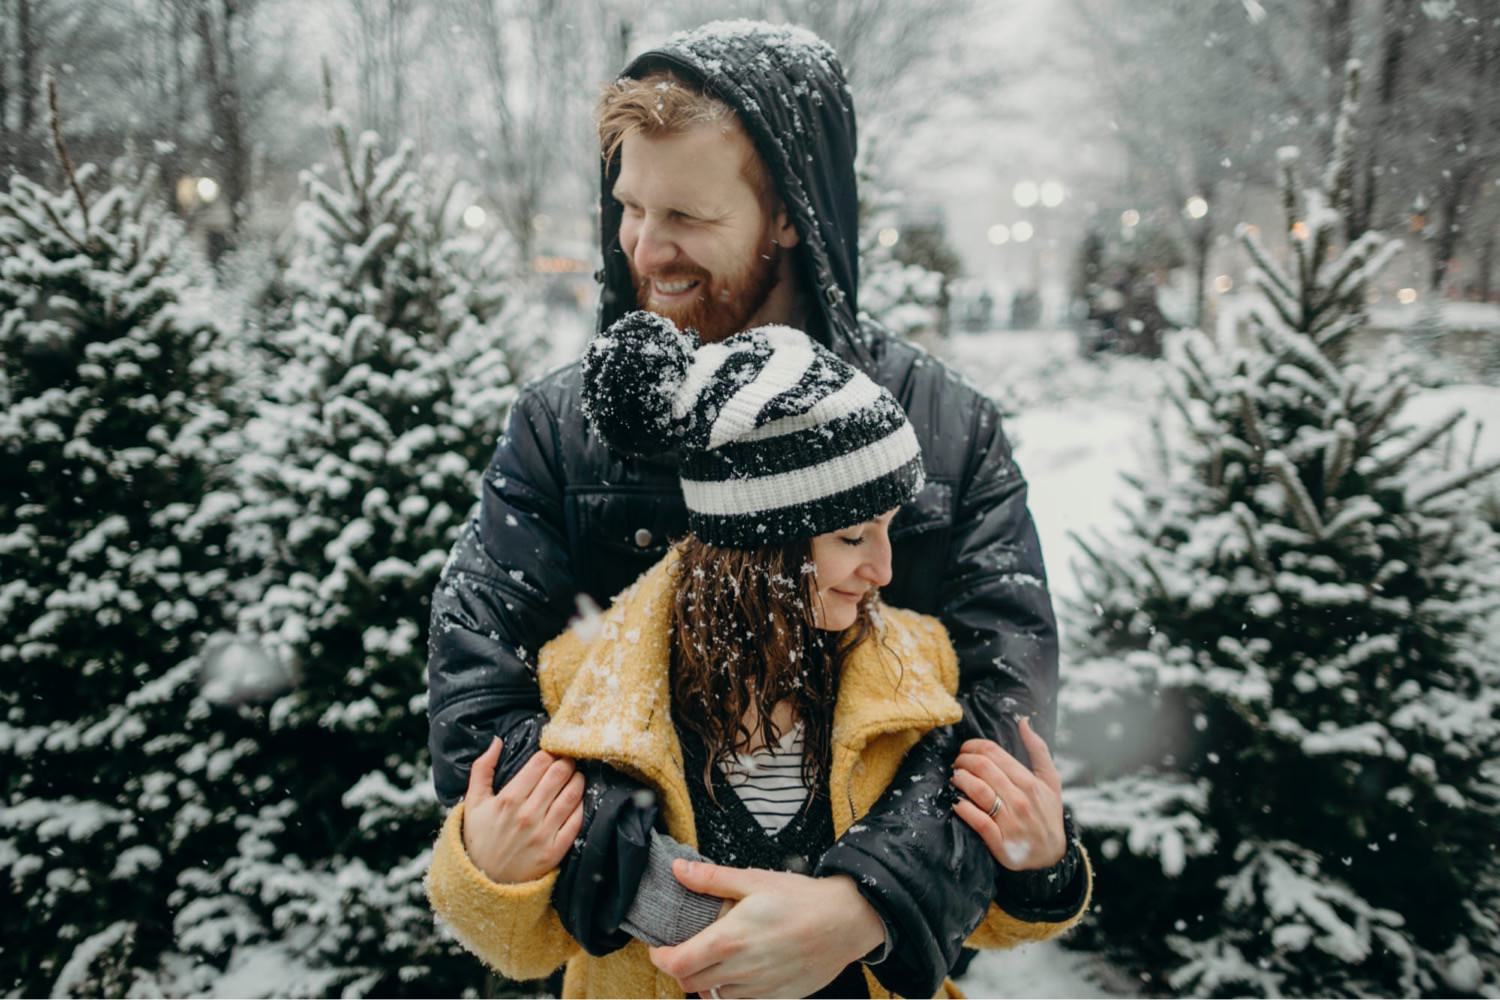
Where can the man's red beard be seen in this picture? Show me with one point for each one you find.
(718, 308)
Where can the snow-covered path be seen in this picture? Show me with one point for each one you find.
(1077, 426)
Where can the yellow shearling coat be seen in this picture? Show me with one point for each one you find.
(610, 699)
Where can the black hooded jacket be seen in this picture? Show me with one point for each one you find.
(562, 516)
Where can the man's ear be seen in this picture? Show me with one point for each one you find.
(783, 232)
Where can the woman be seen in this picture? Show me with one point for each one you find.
(751, 679)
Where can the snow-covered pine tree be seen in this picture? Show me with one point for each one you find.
(1288, 730)
(116, 772)
(394, 374)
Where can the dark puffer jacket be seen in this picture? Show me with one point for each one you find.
(561, 516)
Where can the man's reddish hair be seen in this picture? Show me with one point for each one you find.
(663, 104)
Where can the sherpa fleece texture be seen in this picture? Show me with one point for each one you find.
(610, 699)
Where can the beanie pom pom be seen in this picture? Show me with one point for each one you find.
(632, 374)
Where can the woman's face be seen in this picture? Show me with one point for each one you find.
(848, 563)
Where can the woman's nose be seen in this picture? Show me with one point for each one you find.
(877, 569)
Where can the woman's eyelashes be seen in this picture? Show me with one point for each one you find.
(852, 541)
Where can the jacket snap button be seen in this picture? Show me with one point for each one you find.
(642, 538)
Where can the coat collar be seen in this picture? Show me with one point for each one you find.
(607, 688)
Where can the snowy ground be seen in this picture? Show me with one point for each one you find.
(1076, 426)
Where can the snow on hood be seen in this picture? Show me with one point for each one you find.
(789, 90)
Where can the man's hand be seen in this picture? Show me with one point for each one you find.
(784, 935)
(525, 830)
(1019, 814)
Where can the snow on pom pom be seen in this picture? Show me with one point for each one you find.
(632, 374)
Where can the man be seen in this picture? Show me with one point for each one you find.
(721, 214)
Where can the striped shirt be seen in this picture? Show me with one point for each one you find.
(769, 781)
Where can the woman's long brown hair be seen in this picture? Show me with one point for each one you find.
(743, 634)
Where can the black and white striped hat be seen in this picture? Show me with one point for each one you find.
(778, 438)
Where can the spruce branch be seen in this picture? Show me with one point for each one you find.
(1419, 443)
(1245, 518)
(1384, 409)
(1459, 480)
(1156, 577)
(1088, 550)
(60, 149)
(1264, 261)
(369, 149)
(1299, 347)
(1163, 452)
(1303, 510)
(1338, 455)
(1195, 373)
(1338, 181)
(337, 126)
(1286, 309)
(1360, 510)
(1351, 271)
(1175, 398)
(1215, 477)
(1286, 160)
(1320, 223)
(1298, 378)
(1331, 339)
(1250, 419)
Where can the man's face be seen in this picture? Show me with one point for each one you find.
(701, 249)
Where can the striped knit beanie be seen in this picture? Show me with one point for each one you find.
(778, 439)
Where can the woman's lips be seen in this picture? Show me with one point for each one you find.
(845, 593)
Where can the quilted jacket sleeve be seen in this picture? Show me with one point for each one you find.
(1002, 929)
(995, 601)
(507, 589)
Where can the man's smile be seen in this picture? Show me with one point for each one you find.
(673, 289)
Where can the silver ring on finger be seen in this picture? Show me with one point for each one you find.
(713, 991)
(999, 802)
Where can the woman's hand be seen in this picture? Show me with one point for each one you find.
(1025, 831)
(522, 832)
(786, 935)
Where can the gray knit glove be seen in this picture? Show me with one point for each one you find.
(666, 912)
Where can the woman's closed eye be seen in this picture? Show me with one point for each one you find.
(852, 541)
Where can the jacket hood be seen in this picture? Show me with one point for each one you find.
(788, 88)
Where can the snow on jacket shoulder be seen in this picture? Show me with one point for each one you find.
(606, 686)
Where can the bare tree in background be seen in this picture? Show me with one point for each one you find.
(1189, 83)
(7, 56)
(1446, 124)
(20, 144)
(389, 38)
(218, 28)
(1184, 86)
(904, 61)
(529, 83)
